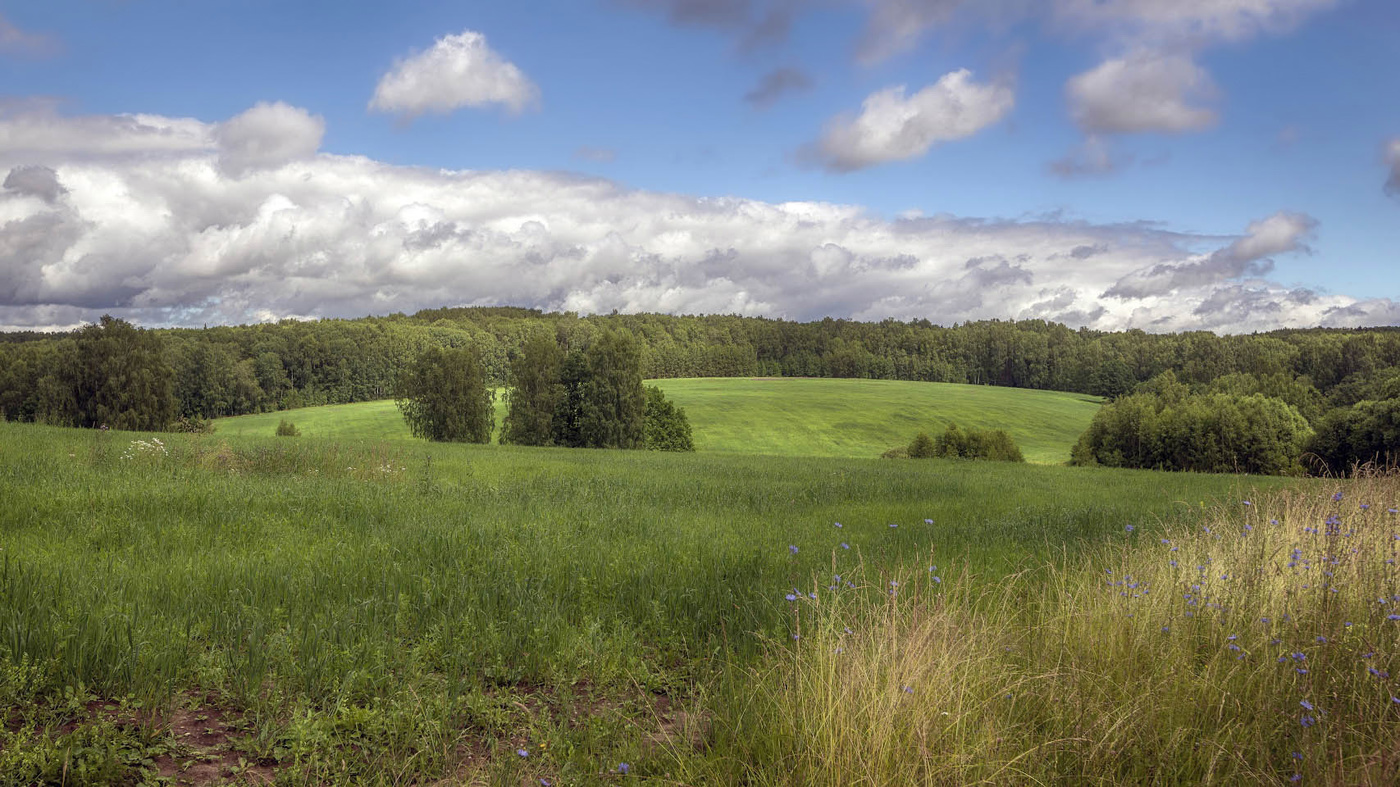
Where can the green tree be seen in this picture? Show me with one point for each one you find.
(536, 392)
(667, 428)
(444, 396)
(121, 377)
(611, 399)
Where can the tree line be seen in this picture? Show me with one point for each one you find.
(1324, 374)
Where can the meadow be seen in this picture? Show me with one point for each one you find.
(314, 611)
(783, 416)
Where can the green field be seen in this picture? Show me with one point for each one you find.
(396, 612)
(786, 416)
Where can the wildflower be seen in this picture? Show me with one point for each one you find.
(1306, 705)
(1297, 755)
(1273, 521)
(1365, 506)
(928, 521)
(838, 651)
(1337, 496)
(1307, 721)
(790, 597)
(1166, 628)
(894, 584)
(908, 689)
(938, 580)
(1166, 541)
(792, 548)
(838, 524)
(844, 545)
(1232, 638)
(1297, 777)
(893, 525)
(848, 630)
(1128, 528)
(1323, 640)
(796, 637)
(1378, 673)
(522, 752)
(1248, 503)
(1392, 617)
(1395, 700)
(623, 768)
(1173, 563)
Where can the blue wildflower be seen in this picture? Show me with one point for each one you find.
(838, 524)
(1306, 705)
(1337, 496)
(522, 752)
(928, 521)
(1128, 528)
(908, 689)
(844, 545)
(792, 548)
(790, 597)
(892, 524)
(623, 768)
(1307, 721)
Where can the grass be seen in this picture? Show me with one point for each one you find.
(402, 612)
(1257, 648)
(785, 416)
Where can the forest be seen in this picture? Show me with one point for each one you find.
(1334, 383)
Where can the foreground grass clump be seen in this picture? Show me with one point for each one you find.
(1256, 647)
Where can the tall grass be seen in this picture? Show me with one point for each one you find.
(379, 611)
(1256, 647)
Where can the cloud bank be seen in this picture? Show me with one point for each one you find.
(457, 71)
(175, 221)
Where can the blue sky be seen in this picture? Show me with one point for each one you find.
(1232, 159)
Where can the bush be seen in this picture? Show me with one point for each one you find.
(922, 447)
(993, 444)
(286, 428)
(1368, 433)
(444, 397)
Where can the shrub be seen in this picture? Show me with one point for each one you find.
(286, 428)
(993, 444)
(922, 447)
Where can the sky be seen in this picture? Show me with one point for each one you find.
(1165, 165)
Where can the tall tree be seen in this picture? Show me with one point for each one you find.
(611, 398)
(444, 396)
(536, 392)
(121, 378)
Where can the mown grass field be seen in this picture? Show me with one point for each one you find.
(324, 612)
(785, 416)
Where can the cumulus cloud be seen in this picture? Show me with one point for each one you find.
(1248, 255)
(457, 71)
(34, 181)
(776, 84)
(14, 41)
(1392, 160)
(173, 238)
(893, 126)
(268, 136)
(1144, 91)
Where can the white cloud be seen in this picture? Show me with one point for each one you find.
(893, 126)
(1248, 255)
(457, 71)
(897, 25)
(14, 41)
(1392, 160)
(171, 238)
(1144, 91)
(268, 136)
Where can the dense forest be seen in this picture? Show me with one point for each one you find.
(81, 378)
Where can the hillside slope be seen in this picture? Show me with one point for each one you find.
(785, 416)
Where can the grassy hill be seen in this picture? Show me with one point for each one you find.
(785, 416)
